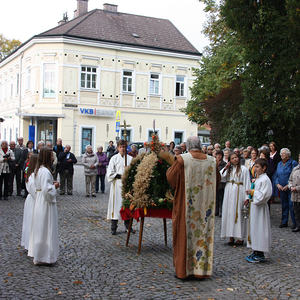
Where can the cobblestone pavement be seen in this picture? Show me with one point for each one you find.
(93, 264)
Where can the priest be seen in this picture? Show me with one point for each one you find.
(114, 173)
(193, 176)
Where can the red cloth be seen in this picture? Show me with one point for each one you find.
(162, 213)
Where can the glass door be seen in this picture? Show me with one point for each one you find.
(86, 138)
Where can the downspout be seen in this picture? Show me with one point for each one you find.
(20, 92)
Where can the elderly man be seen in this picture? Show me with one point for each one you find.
(7, 157)
(217, 146)
(15, 169)
(39, 146)
(177, 150)
(193, 176)
(183, 147)
(66, 161)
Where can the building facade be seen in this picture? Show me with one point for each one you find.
(75, 81)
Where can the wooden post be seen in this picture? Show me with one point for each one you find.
(129, 231)
(141, 234)
(165, 231)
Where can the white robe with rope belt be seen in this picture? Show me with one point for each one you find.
(28, 211)
(259, 227)
(43, 243)
(233, 224)
(116, 166)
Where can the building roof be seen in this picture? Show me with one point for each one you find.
(125, 29)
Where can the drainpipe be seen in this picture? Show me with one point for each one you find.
(20, 93)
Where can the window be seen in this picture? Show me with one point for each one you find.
(28, 75)
(154, 84)
(128, 138)
(179, 86)
(17, 84)
(49, 81)
(127, 81)
(11, 89)
(88, 77)
(150, 133)
(178, 137)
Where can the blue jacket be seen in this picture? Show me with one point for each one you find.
(283, 172)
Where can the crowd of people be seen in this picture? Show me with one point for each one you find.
(247, 179)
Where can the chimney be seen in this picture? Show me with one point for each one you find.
(82, 8)
(110, 7)
(64, 20)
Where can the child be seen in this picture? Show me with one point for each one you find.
(30, 199)
(43, 242)
(237, 182)
(259, 228)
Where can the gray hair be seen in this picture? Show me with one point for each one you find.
(88, 146)
(41, 143)
(287, 151)
(4, 141)
(193, 143)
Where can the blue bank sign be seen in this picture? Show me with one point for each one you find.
(97, 112)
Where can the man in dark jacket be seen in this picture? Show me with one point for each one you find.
(66, 161)
(15, 169)
(58, 148)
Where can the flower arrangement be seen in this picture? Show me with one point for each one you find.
(144, 181)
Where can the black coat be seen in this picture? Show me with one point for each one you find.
(64, 164)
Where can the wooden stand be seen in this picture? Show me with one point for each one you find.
(141, 232)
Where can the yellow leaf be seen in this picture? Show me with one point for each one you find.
(77, 282)
(123, 283)
(10, 274)
(289, 294)
(59, 293)
(230, 289)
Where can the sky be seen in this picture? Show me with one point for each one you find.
(22, 19)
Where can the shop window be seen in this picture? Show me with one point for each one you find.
(127, 81)
(88, 77)
(86, 138)
(49, 81)
(154, 84)
(179, 86)
(178, 137)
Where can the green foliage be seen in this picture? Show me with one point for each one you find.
(7, 46)
(159, 185)
(257, 44)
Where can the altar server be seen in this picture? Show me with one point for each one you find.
(43, 243)
(259, 228)
(237, 182)
(30, 199)
(115, 171)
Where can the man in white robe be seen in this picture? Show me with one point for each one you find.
(259, 227)
(115, 171)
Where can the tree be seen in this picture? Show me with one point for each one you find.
(268, 30)
(7, 46)
(256, 42)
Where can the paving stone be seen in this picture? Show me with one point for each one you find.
(93, 264)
